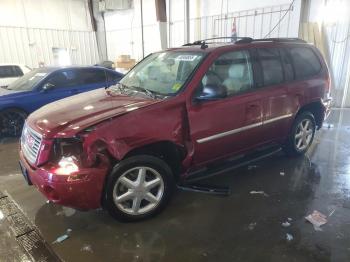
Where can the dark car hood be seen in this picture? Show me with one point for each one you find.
(68, 116)
(5, 93)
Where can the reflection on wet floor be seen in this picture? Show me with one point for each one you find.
(201, 227)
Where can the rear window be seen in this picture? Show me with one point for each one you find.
(271, 66)
(10, 71)
(306, 63)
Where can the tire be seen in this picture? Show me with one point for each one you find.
(136, 200)
(299, 139)
(11, 122)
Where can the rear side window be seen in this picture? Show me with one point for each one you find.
(306, 63)
(10, 71)
(271, 66)
(92, 76)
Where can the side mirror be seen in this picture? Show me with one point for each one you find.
(47, 86)
(211, 92)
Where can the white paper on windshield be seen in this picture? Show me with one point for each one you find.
(186, 57)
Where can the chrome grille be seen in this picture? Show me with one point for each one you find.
(30, 144)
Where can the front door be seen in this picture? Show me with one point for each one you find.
(228, 124)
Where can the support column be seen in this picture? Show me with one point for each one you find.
(187, 21)
(162, 22)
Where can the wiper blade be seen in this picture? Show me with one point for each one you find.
(145, 90)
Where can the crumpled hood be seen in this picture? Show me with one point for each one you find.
(68, 116)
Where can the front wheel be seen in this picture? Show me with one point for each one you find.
(11, 122)
(301, 134)
(138, 188)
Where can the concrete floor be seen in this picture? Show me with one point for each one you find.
(200, 227)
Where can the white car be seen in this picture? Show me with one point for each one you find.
(11, 72)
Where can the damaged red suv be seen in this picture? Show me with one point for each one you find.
(177, 112)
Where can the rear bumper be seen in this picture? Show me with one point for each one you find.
(84, 193)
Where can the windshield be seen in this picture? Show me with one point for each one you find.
(29, 80)
(162, 73)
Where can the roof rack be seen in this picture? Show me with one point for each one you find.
(245, 40)
(279, 40)
(203, 43)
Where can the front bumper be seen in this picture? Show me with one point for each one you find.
(84, 193)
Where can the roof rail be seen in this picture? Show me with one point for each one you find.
(280, 40)
(245, 40)
(203, 43)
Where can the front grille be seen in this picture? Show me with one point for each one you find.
(30, 144)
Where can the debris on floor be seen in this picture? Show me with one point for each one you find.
(327, 125)
(289, 237)
(317, 219)
(252, 226)
(258, 192)
(60, 239)
(286, 224)
(208, 189)
(87, 248)
(63, 237)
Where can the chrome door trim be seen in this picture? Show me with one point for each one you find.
(276, 119)
(238, 130)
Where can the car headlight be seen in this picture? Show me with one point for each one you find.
(67, 166)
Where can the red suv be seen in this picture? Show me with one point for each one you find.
(176, 112)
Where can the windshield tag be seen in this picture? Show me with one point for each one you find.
(186, 57)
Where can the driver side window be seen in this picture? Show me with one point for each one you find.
(231, 71)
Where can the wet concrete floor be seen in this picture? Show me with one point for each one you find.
(201, 227)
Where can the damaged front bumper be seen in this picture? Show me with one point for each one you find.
(82, 190)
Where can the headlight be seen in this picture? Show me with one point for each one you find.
(67, 166)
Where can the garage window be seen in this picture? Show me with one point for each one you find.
(306, 63)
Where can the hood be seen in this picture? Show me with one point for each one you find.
(66, 117)
(4, 92)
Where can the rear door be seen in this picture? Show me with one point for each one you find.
(277, 104)
(90, 79)
(231, 124)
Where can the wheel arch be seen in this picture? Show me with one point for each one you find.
(316, 109)
(170, 152)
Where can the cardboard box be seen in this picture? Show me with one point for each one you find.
(126, 65)
(123, 58)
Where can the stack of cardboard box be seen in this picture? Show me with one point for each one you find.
(124, 62)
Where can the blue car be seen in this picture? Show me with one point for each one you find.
(45, 85)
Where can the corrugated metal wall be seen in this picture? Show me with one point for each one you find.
(33, 45)
(30, 29)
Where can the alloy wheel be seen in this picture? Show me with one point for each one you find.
(138, 190)
(303, 134)
(11, 123)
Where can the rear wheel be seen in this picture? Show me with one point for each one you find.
(301, 135)
(138, 188)
(11, 122)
